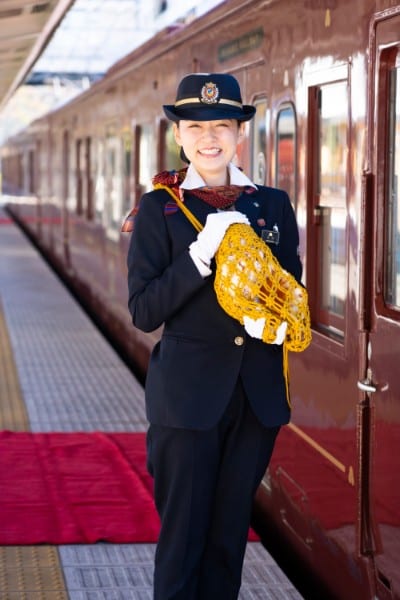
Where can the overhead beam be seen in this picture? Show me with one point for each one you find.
(26, 27)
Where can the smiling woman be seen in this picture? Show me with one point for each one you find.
(209, 146)
(211, 431)
(326, 132)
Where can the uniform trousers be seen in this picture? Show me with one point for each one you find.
(204, 485)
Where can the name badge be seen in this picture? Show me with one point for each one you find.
(271, 236)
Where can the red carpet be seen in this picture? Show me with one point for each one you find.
(66, 488)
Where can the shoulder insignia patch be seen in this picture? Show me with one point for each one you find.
(127, 225)
(170, 208)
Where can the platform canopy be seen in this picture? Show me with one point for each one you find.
(26, 27)
(93, 35)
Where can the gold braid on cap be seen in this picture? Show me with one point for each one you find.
(197, 101)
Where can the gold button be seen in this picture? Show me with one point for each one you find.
(239, 340)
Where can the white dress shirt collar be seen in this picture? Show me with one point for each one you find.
(194, 180)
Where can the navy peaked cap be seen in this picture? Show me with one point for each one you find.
(208, 97)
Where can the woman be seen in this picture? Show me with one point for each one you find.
(215, 393)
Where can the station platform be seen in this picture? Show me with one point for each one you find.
(59, 374)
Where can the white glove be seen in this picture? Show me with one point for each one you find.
(280, 333)
(255, 328)
(209, 239)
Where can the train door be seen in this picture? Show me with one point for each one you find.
(313, 488)
(313, 472)
(381, 382)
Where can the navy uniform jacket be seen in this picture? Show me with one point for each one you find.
(195, 366)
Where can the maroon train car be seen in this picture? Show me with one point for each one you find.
(325, 78)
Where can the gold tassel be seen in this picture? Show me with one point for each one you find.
(286, 372)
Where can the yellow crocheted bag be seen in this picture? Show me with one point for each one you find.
(249, 281)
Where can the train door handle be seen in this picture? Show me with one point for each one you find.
(365, 385)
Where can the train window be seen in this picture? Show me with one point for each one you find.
(31, 172)
(84, 195)
(392, 280)
(146, 154)
(127, 202)
(285, 152)
(259, 142)
(79, 161)
(88, 185)
(65, 167)
(100, 182)
(113, 185)
(71, 200)
(329, 109)
(20, 174)
(170, 152)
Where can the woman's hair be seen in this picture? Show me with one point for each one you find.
(183, 156)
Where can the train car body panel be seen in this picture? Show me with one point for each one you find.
(325, 78)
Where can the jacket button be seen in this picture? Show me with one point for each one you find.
(239, 341)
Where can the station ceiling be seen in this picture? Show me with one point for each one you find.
(92, 37)
(25, 29)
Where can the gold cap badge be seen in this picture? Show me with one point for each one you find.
(209, 93)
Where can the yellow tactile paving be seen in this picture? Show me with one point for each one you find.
(13, 414)
(31, 573)
(26, 572)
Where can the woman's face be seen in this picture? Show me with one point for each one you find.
(210, 146)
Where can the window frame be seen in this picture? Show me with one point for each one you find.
(325, 321)
(389, 60)
(282, 107)
(258, 100)
(145, 159)
(164, 128)
(78, 177)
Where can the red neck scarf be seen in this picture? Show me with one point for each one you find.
(220, 197)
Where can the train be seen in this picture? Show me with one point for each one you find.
(324, 76)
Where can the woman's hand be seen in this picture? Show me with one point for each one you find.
(209, 239)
